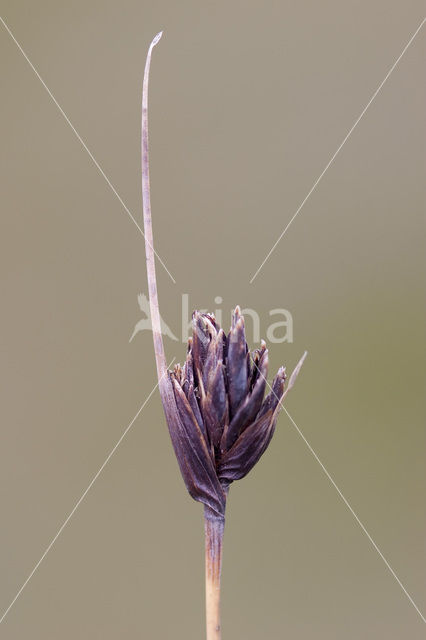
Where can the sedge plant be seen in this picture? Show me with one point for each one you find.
(219, 419)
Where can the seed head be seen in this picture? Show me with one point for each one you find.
(219, 421)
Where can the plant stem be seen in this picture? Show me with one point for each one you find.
(213, 524)
(213, 529)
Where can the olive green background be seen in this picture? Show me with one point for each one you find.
(248, 102)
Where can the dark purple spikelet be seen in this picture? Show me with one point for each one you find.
(219, 420)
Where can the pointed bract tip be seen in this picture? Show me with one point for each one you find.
(296, 371)
(281, 372)
(156, 39)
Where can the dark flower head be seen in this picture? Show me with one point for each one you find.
(219, 420)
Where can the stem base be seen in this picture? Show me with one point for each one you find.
(213, 529)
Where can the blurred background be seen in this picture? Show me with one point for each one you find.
(248, 102)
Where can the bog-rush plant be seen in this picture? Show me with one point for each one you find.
(219, 420)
